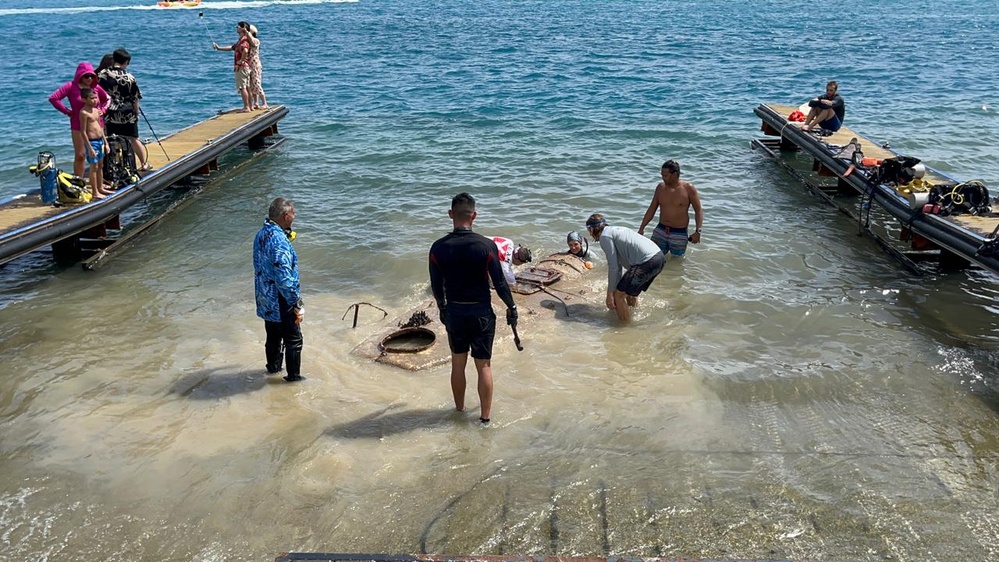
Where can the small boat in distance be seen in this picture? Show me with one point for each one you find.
(178, 3)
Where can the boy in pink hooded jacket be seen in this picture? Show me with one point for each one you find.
(84, 78)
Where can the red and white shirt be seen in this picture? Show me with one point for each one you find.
(506, 248)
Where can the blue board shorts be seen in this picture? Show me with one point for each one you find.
(98, 146)
(639, 277)
(670, 240)
(832, 124)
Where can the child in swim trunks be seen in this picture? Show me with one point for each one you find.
(96, 141)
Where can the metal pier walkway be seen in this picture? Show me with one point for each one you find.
(955, 240)
(27, 224)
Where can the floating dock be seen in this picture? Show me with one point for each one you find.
(955, 240)
(27, 224)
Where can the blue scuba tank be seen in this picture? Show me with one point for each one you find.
(46, 172)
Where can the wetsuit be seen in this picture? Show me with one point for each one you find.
(461, 265)
(839, 112)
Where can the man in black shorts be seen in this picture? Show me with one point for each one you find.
(123, 110)
(633, 262)
(461, 265)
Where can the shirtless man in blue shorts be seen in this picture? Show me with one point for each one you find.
(674, 198)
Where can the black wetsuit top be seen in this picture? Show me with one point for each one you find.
(461, 265)
(838, 105)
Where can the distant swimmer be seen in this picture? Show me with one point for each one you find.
(461, 265)
(674, 199)
(241, 64)
(828, 110)
(633, 262)
(278, 290)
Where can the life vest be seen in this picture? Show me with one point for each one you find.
(796, 116)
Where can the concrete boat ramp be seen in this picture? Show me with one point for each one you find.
(416, 339)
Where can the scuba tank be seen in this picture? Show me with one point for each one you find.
(46, 172)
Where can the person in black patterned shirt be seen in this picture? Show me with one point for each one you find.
(123, 112)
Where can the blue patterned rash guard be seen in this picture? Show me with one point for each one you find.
(275, 271)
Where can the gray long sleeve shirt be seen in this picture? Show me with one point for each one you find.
(624, 248)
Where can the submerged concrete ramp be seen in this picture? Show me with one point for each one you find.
(288, 557)
(416, 339)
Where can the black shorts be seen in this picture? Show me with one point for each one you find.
(639, 277)
(123, 129)
(471, 327)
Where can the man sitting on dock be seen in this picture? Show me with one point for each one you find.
(828, 111)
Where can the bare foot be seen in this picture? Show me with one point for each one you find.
(245, 110)
(97, 196)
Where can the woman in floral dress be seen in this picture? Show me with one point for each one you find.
(257, 96)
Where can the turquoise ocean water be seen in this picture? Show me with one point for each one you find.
(787, 391)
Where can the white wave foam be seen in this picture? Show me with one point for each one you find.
(232, 5)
